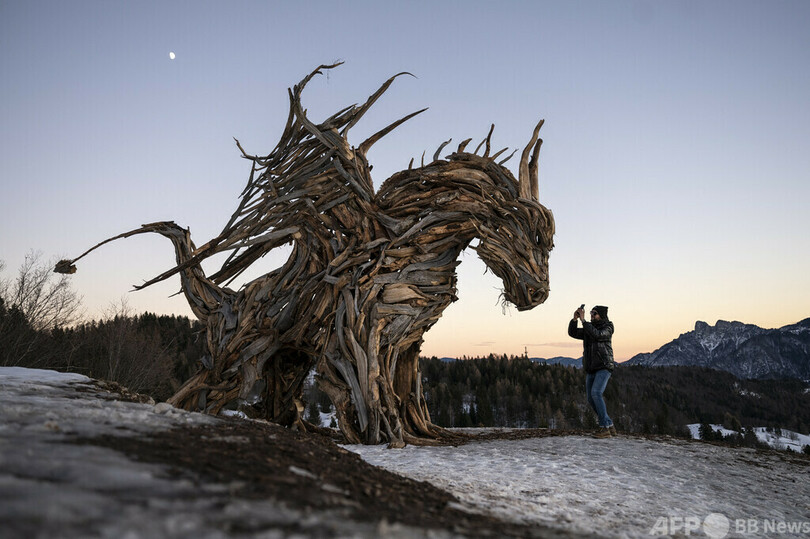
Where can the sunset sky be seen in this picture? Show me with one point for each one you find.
(676, 156)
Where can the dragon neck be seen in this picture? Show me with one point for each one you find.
(446, 200)
(203, 295)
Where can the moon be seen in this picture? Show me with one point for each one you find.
(171, 56)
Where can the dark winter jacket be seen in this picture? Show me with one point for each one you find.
(597, 353)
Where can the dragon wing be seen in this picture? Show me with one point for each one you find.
(313, 180)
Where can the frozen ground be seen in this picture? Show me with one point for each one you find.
(50, 486)
(617, 487)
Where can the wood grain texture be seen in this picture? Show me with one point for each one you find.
(369, 273)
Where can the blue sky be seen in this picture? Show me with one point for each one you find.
(675, 157)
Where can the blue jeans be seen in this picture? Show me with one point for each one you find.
(595, 385)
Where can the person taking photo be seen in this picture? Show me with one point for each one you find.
(597, 360)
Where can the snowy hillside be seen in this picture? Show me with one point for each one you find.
(76, 461)
(781, 439)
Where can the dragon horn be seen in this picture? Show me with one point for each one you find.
(527, 173)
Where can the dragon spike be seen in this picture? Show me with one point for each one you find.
(439, 150)
(528, 183)
(369, 142)
(533, 170)
(300, 86)
(463, 145)
(485, 141)
(359, 112)
(489, 137)
(497, 154)
(502, 161)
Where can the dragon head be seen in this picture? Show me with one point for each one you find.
(516, 244)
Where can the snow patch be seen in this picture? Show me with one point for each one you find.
(781, 439)
(617, 487)
(711, 341)
(29, 400)
(327, 419)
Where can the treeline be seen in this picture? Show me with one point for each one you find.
(41, 327)
(500, 391)
(147, 353)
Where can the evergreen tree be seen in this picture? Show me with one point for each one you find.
(313, 413)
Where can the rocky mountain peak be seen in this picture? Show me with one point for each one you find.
(745, 350)
(701, 327)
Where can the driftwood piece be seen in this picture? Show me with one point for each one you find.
(368, 275)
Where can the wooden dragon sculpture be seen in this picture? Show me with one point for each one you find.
(368, 275)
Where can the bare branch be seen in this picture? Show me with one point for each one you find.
(45, 303)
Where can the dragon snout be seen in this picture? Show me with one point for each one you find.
(533, 297)
(538, 295)
(530, 293)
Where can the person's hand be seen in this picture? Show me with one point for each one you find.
(579, 313)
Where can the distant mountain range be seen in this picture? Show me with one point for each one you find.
(744, 350)
(559, 360)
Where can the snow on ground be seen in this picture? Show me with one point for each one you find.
(51, 486)
(694, 430)
(28, 397)
(786, 439)
(618, 487)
